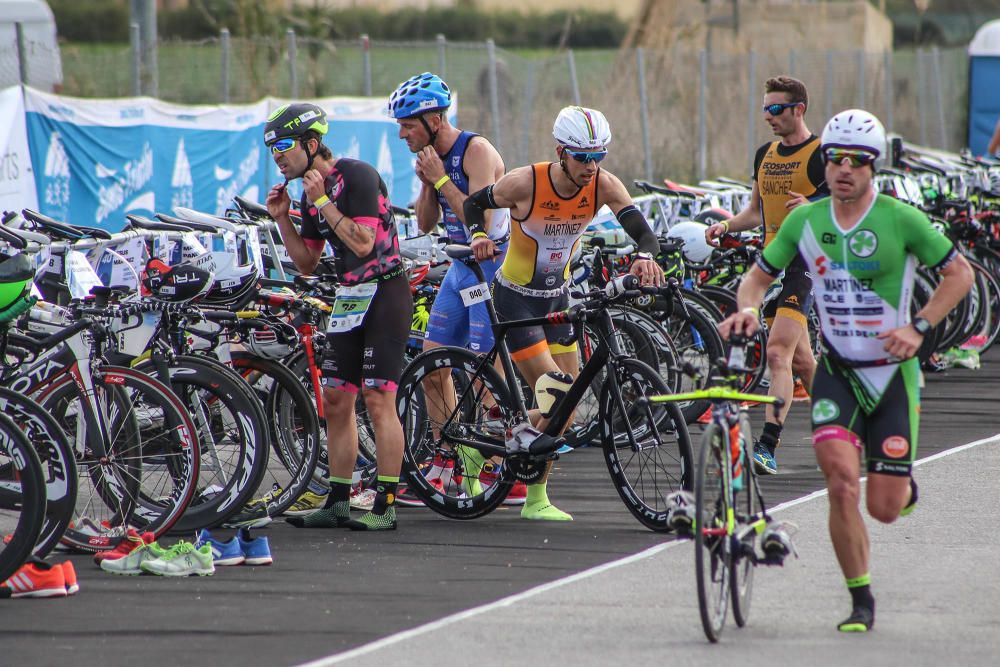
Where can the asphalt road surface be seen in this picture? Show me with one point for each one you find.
(601, 589)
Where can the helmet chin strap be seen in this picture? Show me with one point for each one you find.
(430, 133)
(562, 163)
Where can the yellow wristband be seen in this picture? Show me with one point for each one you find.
(725, 223)
(441, 181)
(753, 311)
(480, 235)
(321, 202)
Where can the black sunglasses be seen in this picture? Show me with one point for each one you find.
(778, 109)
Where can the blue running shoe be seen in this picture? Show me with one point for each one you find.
(763, 460)
(256, 550)
(223, 553)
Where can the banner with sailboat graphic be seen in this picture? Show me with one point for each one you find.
(98, 160)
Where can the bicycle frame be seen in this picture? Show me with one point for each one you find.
(562, 414)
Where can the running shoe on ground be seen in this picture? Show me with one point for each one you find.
(763, 460)
(69, 576)
(862, 619)
(131, 564)
(256, 550)
(182, 560)
(223, 553)
(308, 502)
(406, 497)
(127, 545)
(256, 517)
(36, 579)
(518, 492)
(363, 499)
(265, 499)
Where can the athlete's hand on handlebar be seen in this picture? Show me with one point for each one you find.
(483, 249)
(713, 232)
(744, 323)
(647, 271)
(278, 202)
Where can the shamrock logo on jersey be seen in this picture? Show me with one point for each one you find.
(863, 243)
(824, 410)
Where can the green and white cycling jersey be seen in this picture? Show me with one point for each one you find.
(863, 276)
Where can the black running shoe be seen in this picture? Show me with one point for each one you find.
(862, 619)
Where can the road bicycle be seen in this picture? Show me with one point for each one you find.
(726, 517)
(468, 422)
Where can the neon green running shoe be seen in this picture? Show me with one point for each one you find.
(182, 560)
(131, 565)
(308, 502)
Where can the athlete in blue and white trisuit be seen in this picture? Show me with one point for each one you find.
(451, 163)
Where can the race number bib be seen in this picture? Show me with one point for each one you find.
(475, 294)
(350, 307)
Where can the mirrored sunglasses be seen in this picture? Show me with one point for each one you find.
(856, 158)
(283, 145)
(587, 156)
(778, 109)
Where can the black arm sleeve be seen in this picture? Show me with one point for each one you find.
(757, 159)
(635, 225)
(475, 208)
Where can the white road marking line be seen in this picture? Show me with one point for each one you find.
(579, 576)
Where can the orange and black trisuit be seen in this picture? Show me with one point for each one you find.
(533, 279)
(779, 169)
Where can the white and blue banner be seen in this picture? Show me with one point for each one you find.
(97, 160)
(17, 178)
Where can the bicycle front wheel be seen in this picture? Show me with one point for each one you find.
(746, 504)
(712, 557)
(646, 446)
(22, 497)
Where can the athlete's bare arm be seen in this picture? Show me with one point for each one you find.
(515, 191)
(427, 208)
(748, 218)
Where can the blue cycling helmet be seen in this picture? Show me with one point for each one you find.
(418, 95)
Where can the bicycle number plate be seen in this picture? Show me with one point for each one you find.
(475, 294)
(351, 306)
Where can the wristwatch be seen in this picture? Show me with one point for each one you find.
(644, 255)
(921, 325)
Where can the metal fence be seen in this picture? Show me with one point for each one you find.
(676, 114)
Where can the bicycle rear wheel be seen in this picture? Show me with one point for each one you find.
(746, 505)
(436, 419)
(712, 557)
(646, 446)
(22, 497)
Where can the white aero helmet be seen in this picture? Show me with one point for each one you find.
(856, 128)
(579, 127)
(692, 235)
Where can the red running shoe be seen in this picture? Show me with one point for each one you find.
(126, 546)
(69, 575)
(37, 580)
(518, 492)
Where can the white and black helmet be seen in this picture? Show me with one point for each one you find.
(579, 127)
(692, 235)
(859, 129)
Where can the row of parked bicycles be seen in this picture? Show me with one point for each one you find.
(165, 378)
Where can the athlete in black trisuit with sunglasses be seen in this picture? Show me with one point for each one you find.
(787, 173)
